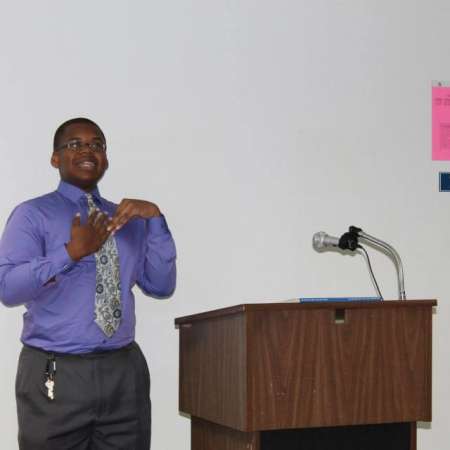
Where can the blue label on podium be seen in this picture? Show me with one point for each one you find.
(338, 299)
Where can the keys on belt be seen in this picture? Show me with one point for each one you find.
(50, 375)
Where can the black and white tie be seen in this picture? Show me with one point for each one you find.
(108, 309)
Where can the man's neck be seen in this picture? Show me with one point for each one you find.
(86, 189)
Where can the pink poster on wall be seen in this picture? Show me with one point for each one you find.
(440, 122)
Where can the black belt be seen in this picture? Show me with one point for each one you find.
(94, 354)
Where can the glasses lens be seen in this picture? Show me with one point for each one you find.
(76, 145)
(94, 146)
(97, 146)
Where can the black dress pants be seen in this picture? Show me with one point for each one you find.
(101, 401)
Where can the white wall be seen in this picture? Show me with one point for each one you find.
(253, 124)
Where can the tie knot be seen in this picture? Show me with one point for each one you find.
(90, 201)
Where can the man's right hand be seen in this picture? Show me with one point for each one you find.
(87, 239)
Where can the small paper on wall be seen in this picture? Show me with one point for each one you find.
(440, 121)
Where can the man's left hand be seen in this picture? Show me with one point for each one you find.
(129, 209)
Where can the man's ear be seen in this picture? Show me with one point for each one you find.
(54, 160)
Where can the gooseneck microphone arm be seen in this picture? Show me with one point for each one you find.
(391, 250)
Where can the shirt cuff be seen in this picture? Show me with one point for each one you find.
(61, 260)
(157, 225)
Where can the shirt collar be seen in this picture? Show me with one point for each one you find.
(74, 193)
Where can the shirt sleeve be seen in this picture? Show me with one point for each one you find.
(157, 268)
(24, 266)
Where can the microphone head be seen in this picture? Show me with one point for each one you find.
(319, 240)
(322, 240)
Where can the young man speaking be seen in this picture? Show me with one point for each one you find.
(72, 258)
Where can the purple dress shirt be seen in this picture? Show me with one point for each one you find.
(58, 293)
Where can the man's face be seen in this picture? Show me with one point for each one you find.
(83, 168)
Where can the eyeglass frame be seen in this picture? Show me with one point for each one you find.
(81, 145)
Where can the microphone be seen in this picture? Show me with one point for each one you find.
(350, 241)
(322, 240)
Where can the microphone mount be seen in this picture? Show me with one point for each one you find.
(349, 240)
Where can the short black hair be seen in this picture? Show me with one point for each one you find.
(62, 128)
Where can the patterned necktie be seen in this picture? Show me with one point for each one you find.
(107, 283)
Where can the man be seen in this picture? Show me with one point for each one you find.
(72, 257)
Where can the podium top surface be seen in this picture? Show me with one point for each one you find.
(287, 306)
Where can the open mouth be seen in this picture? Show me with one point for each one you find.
(86, 165)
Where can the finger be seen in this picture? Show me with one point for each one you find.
(104, 213)
(122, 217)
(107, 219)
(102, 237)
(123, 204)
(120, 208)
(104, 233)
(116, 215)
(113, 223)
(92, 217)
(101, 214)
(98, 217)
(76, 221)
(101, 218)
(101, 223)
(118, 222)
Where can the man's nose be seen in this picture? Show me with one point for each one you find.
(85, 146)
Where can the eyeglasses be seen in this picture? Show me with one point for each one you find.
(77, 146)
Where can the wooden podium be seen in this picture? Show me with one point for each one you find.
(311, 376)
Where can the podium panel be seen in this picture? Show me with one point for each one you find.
(308, 369)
